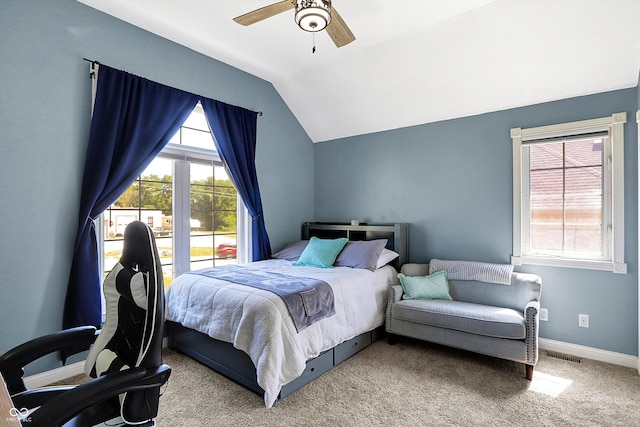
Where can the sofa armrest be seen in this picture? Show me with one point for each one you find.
(395, 295)
(532, 305)
(414, 269)
(531, 322)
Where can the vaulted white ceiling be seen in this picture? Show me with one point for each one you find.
(413, 61)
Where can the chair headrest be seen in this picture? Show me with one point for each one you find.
(139, 250)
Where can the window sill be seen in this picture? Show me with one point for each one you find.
(614, 267)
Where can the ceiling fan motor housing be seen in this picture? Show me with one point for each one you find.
(313, 16)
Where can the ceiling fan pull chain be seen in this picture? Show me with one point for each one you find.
(314, 43)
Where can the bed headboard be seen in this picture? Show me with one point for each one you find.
(396, 234)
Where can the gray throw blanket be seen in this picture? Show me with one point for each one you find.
(473, 270)
(308, 300)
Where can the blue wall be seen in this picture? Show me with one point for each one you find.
(452, 181)
(44, 125)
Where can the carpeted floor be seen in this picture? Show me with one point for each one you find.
(414, 384)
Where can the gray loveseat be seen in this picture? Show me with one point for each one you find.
(499, 320)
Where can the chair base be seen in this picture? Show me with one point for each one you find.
(116, 422)
(108, 410)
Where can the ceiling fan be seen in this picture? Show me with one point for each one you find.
(310, 15)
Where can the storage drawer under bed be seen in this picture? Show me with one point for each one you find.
(315, 367)
(237, 365)
(348, 348)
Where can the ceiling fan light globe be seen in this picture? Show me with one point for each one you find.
(313, 19)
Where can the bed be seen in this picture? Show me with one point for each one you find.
(249, 335)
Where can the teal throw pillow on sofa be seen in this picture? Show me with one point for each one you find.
(321, 252)
(434, 286)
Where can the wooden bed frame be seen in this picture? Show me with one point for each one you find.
(237, 365)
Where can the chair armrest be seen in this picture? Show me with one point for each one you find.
(67, 405)
(14, 360)
(38, 396)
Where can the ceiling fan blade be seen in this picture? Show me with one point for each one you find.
(338, 30)
(264, 13)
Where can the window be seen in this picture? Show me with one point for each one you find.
(568, 194)
(187, 198)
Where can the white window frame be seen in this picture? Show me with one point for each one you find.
(183, 156)
(614, 208)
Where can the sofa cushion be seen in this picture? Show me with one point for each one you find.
(462, 316)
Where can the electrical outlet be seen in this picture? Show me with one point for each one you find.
(544, 314)
(583, 320)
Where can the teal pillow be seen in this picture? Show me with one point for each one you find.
(321, 252)
(434, 286)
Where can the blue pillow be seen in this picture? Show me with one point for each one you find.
(321, 252)
(434, 286)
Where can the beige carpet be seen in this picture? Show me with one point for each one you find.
(414, 384)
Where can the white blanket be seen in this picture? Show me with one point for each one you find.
(258, 322)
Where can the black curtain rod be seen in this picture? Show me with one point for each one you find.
(96, 62)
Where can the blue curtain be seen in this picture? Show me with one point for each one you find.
(234, 131)
(133, 119)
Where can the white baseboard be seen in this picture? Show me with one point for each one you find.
(54, 375)
(590, 353)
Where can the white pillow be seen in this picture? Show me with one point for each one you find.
(386, 257)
